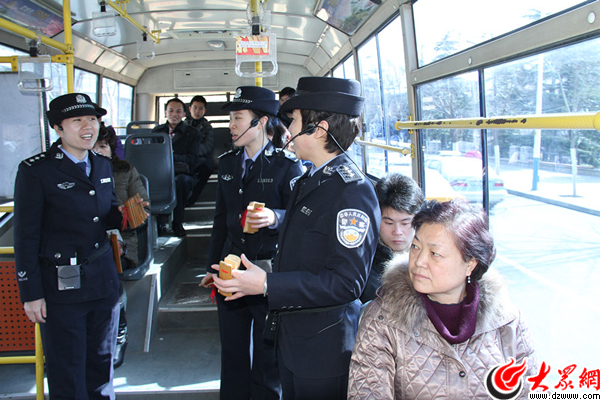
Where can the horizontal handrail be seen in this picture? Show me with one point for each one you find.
(7, 208)
(585, 121)
(28, 33)
(402, 150)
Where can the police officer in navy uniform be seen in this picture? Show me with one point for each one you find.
(64, 203)
(326, 246)
(259, 172)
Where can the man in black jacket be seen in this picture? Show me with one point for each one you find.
(186, 156)
(207, 144)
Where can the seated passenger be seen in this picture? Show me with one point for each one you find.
(438, 325)
(127, 184)
(186, 142)
(399, 199)
(207, 144)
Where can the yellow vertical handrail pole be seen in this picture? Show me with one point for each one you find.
(39, 364)
(69, 44)
(254, 8)
(258, 68)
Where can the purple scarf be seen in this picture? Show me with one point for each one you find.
(454, 322)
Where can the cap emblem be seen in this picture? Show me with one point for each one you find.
(238, 93)
(80, 99)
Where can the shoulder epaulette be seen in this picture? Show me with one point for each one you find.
(349, 173)
(228, 152)
(35, 159)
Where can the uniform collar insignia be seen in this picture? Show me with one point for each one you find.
(328, 170)
(65, 185)
(227, 177)
(59, 155)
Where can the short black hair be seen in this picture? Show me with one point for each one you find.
(400, 193)
(342, 127)
(177, 100)
(287, 91)
(199, 99)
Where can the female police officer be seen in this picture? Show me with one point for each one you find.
(256, 172)
(325, 249)
(64, 202)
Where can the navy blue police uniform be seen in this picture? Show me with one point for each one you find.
(269, 181)
(61, 217)
(326, 247)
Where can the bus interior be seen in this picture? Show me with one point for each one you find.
(493, 102)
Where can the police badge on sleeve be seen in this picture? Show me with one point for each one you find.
(352, 227)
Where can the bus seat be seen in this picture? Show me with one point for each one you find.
(145, 247)
(140, 127)
(222, 144)
(152, 155)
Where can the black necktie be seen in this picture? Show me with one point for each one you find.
(83, 167)
(248, 165)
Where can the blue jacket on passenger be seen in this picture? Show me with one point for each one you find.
(60, 213)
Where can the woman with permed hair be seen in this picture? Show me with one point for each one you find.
(442, 320)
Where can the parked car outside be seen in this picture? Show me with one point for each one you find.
(465, 176)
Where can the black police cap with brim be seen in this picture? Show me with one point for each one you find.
(72, 105)
(253, 98)
(335, 95)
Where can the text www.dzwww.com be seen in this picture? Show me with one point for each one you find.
(555, 395)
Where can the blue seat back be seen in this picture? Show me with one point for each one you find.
(140, 127)
(145, 247)
(152, 155)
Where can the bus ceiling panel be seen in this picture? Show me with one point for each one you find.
(294, 47)
(85, 50)
(313, 67)
(213, 77)
(307, 29)
(111, 61)
(332, 41)
(320, 57)
(291, 7)
(293, 59)
(133, 70)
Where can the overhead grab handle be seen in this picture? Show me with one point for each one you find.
(35, 73)
(256, 48)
